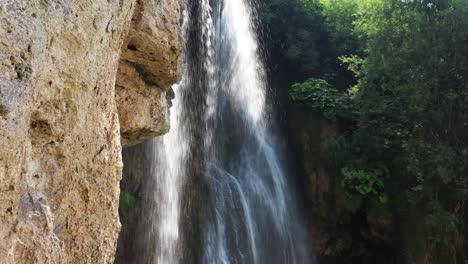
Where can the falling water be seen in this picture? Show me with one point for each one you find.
(250, 217)
(220, 192)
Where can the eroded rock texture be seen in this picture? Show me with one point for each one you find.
(60, 158)
(149, 66)
(60, 162)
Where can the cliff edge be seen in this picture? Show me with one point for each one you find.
(62, 114)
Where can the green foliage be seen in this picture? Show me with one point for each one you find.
(295, 28)
(365, 183)
(354, 63)
(411, 90)
(340, 17)
(409, 108)
(412, 98)
(301, 43)
(127, 200)
(338, 152)
(322, 97)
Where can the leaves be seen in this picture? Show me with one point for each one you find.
(338, 151)
(322, 97)
(407, 140)
(366, 183)
(127, 200)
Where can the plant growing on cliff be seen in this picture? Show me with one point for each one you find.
(324, 98)
(338, 152)
(368, 183)
(127, 200)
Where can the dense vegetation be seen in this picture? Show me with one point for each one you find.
(394, 75)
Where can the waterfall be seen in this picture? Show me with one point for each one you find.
(251, 216)
(219, 192)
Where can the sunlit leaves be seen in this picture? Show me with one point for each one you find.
(412, 100)
(322, 97)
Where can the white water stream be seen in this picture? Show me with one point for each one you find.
(221, 147)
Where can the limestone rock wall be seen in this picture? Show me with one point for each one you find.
(60, 163)
(60, 158)
(149, 66)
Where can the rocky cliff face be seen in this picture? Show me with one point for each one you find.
(60, 163)
(149, 66)
(308, 131)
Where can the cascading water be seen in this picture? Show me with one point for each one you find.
(250, 216)
(219, 193)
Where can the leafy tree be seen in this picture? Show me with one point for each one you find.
(300, 43)
(412, 96)
(410, 60)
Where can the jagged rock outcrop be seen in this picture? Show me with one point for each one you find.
(149, 66)
(60, 163)
(143, 110)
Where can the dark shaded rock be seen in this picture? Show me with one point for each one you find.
(337, 234)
